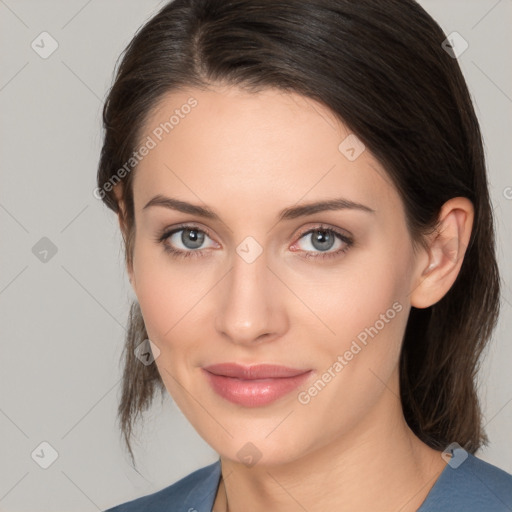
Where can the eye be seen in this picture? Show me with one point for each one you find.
(185, 241)
(323, 239)
(188, 241)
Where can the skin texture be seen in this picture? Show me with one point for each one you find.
(247, 156)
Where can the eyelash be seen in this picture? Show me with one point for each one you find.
(176, 253)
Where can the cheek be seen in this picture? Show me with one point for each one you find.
(356, 296)
(365, 305)
(366, 310)
(172, 298)
(158, 291)
(167, 308)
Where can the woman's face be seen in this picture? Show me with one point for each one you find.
(252, 285)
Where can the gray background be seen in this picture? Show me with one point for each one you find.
(63, 320)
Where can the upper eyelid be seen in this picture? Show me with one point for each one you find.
(171, 231)
(324, 227)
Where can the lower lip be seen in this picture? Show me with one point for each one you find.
(256, 392)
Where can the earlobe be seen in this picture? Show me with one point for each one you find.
(446, 251)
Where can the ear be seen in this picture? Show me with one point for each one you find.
(439, 266)
(121, 216)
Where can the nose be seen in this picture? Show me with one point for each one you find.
(250, 306)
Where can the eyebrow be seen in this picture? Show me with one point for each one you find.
(286, 214)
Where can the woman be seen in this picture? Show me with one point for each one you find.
(302, 193)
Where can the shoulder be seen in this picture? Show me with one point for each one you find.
(193, 493)
(470, 484)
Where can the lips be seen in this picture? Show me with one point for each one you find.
(253, 386)
(260, 371)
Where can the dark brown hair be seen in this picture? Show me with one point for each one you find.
(380, 67)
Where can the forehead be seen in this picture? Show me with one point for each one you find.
(252, 147)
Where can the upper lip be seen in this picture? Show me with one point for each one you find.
(257, 371)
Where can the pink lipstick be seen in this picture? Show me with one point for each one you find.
(253, 386)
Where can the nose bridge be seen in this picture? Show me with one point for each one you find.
(249, 271)
(249, 308)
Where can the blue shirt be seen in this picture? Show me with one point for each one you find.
(472, 486)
